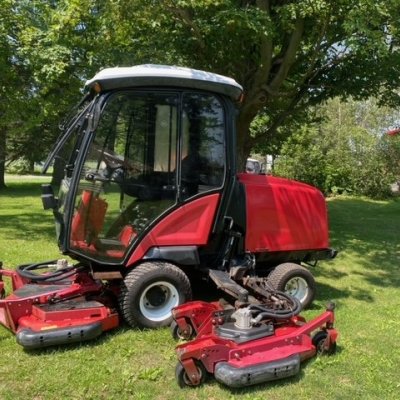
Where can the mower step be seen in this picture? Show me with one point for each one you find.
(68, 309)
(225, 283)
(30, 290)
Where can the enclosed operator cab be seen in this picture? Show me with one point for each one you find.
(149, 171)
(148, 158)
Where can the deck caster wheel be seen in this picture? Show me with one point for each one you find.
(183, 379)
(295, 280)
(319, 340)
(150, 291)
(179, 334)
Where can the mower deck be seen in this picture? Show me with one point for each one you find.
(47, 314)
(238, 356)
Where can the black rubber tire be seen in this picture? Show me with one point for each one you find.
(318, 341)
(177, 334)
(134, 302)
(182, 378)
(292, 274)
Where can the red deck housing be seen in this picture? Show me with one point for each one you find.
(242, 363)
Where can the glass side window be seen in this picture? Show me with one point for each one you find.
(129, 175)
(203, 144)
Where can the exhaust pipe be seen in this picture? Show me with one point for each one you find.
(235, 377)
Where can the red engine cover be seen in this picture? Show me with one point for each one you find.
(283, 215)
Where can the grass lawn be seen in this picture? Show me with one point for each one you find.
(364, 280)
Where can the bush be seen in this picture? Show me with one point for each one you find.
(20, 167)
(338, 159)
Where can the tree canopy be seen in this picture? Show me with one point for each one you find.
(287, 54)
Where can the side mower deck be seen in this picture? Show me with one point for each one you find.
(46, 314)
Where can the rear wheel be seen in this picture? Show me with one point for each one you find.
(183, 379)
(295, 280)
(150, 291)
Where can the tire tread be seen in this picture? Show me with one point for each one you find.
(280, 274)
(132, 281)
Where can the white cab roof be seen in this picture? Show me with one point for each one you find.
(164, 75)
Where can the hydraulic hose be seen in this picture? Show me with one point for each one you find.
(263, 311)
(25, 271)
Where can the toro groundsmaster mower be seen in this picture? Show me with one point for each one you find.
(150, 199)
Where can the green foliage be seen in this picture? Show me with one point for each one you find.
(390, 150)
(287, 55)
(20, 167)
(302, 157)
(344, 153)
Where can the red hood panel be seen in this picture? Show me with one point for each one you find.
(283, 215)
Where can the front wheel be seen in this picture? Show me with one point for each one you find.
(294, 280)
(183, 379)
(178, 334)
(150, 291)
(319, 341)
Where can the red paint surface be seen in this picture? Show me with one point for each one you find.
(188, 225)
(283, 215)
(393, 132)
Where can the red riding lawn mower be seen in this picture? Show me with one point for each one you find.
(151, 201)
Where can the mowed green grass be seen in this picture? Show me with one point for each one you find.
(364, 281)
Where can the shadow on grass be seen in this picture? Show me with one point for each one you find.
(367, 231)
(27, 225)
(21, 219)
(22, 189)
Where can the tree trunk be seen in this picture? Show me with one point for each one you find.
(242, 154)
(2, 158)
(31, 166)
(244, 142)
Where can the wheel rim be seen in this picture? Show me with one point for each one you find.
(186, 380)
(185, 335)
(321, 346)
(319, 341)
(297, 287)
(157, 301)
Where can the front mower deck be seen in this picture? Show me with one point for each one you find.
(236, 356)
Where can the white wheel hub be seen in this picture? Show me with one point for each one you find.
(157, 300)
(297, 287)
